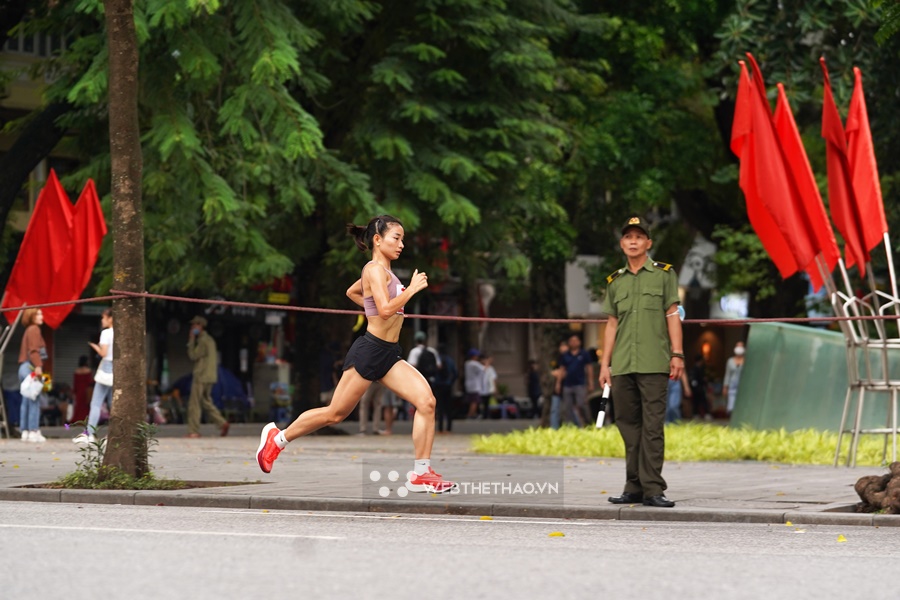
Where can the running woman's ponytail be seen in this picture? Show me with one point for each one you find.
(363, 235)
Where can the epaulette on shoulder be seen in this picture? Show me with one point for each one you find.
(662, 265)
(614, 274)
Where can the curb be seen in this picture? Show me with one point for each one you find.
(636, 513)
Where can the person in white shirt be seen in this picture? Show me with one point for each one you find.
(428, 368)
(473, 372)
(102, 384)
(488, 384)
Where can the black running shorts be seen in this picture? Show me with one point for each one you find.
(373, 357)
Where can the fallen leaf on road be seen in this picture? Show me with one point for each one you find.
(486, 518)
(841, 538)
(556, 534)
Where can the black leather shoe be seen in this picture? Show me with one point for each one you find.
(626, 498)
(658, 501)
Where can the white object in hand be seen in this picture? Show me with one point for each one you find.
(601, 416)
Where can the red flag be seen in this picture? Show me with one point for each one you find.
(810, 199)
(88, 230)
(841, 197)
(864, 169)
(741, 144)
(43, 249)
(771, 193)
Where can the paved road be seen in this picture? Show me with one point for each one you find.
(84, 551)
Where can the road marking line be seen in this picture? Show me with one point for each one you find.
(399, 516)
(170, 531)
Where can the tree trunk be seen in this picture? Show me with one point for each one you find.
(126, 449)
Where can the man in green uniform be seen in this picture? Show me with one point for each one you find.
(642, 347)
(201, 349)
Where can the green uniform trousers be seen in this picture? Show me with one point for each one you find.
(201, 398)
(639, 400)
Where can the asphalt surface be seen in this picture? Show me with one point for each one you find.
(365, 474)
(180, 552)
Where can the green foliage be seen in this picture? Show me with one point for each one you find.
(890, 24)
(685, 442)
(742, 264)
(787, 38)
(640, 112)
(92, 474)
(521, 133)
(266, 123)
(230, 155)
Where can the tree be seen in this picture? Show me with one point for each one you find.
(124, 446)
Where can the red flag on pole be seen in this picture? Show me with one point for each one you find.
(88, 230)
(43, 249)
(809, 197)
(742, 145)
(773, 205)
(841, 197)
(864, 169)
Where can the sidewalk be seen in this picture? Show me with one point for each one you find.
(339, 472)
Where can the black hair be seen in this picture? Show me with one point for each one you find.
(377, 226)
(82, 361)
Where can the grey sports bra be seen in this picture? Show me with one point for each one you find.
(395, 288)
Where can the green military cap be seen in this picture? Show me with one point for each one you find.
(639, 222)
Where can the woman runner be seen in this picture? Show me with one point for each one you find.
(375, 356)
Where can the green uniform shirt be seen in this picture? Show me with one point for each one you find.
(639, 302)
(203, 352)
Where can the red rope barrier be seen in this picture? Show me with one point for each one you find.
(80, 301)
(723, 322)
(120, 294)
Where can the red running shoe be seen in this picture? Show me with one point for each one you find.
(268, 450)
(428, 482)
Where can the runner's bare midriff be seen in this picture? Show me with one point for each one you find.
(386, 329)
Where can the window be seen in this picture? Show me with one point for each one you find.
(35, 44)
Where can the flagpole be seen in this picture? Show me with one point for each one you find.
(827, 277)
(876, 305)
(893, 276)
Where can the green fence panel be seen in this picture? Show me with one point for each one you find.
(796, 377)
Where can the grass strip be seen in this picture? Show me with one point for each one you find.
(690, 442)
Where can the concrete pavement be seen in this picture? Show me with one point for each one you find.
(365, 473)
